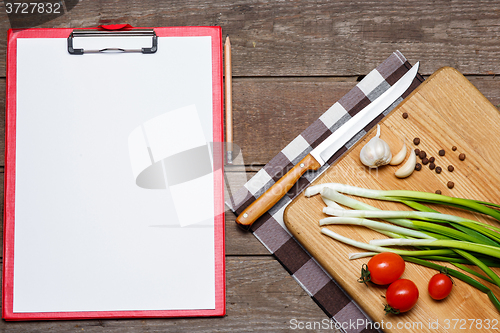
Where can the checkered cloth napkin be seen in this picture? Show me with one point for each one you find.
(270, 228)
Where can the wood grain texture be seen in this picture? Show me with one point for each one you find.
(310, 38)
(241, 242)
(261, 297)
(444, 111)
(291, 61)
(269, 113)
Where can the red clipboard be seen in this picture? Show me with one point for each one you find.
(10, 212)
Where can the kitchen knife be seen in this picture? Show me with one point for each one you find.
(322, 153)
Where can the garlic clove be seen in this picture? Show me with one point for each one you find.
(376, 152)
(399, 157)
(407, 168)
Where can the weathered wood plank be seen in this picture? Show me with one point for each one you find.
(269, 113)
(261, 297)
(304, 38)
(241, 242)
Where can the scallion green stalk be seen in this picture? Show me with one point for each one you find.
(458, 275)
(374, 248)
(398, 195)
(374, 225)
(482, 228)
(468, 246)
(455, 237)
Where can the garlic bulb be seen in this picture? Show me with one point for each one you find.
(376, 152)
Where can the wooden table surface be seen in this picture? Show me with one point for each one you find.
(291, 61)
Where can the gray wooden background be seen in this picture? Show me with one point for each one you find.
(291, 61)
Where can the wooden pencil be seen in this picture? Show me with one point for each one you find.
(228, 100)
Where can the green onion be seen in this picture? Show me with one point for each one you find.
(426, 216)
(397, 195)
(375, 248)
(480, 248)
(473, 272)
(481, 237)
(436, 217)
(433, 235)
(374, 225)
(460, 276)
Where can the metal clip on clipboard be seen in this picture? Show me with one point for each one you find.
(105, 33)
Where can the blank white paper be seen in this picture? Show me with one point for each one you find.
(87, 238)
(171, 150)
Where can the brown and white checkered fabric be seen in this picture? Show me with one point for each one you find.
(270, 229)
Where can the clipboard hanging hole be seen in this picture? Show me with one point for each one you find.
(140, 35)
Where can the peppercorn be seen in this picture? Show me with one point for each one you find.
(461, 157)
(422, 154)
(425, 161)
(454, 148)
(405, 115)
(438, 192)
(441, 152)
(417, 151)
(438, 169)
(416, 141)
(450, 184)
(418, 166)
(432, 159)
(432, 166)
(450, 168)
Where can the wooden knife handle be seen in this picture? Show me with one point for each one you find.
(276, 192)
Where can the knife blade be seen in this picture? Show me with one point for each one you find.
(326, 149)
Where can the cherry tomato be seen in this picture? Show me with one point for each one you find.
(440, 286)
(401, 295)
(384, 268)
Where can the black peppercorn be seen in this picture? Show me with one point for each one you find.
(438, 169)
(441, 152)
(461, 157)
(425, 161)
(450, 184)
(405, 115)
(416, 141)
(422, 154)
(438, 192)
(450, 168)
(432, 166)
(432, 159)
(418, 166)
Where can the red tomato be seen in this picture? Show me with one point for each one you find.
(440, 286)
(401, 295)
(385, 268)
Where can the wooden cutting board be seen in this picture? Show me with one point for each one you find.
(445, 111)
